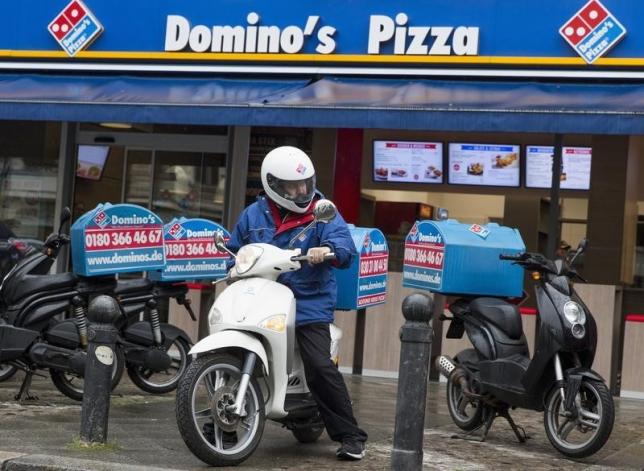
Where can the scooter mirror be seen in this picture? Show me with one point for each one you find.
(65, 216)
(581, 248)
(324, 211)
(220, 242)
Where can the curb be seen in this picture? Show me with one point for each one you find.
(20, 462)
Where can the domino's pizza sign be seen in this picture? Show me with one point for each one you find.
(592, 31)
(75, 27)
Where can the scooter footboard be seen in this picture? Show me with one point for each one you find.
(14, 341)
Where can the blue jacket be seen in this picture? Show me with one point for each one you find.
(314, 286)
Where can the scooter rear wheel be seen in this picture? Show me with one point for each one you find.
(210, 432)
(467, 414)
(72, 385)
(581, 436)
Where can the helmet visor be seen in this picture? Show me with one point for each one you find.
(299, 191)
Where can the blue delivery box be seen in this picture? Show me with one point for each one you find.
(117, 238)
(364, 282)
(448, 257)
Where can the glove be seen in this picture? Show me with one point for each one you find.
(316, 254)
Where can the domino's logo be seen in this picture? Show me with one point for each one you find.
(75, 27)
(366, 245)
(301, 168)
(413, 233)
(480, 231)
(592, 31)
(101, 219)
(176, 230)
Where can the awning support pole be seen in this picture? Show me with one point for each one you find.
(553, 222)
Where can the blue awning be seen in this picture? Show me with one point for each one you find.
(330, 102)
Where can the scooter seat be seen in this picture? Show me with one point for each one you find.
(128, 287)
(34, 284)
(504, 315)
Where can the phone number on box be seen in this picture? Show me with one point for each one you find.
(431, 258)
(373, 266)
(187, 249)
(115, 238)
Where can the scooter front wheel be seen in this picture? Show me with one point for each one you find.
(583, 433)
(210, 431)
(161, 382)
(7, 371)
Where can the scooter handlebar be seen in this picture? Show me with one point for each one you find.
(515, 258)
(306, 258)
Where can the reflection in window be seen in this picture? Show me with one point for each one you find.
(189, 184)
(28, 177)
(138, 177)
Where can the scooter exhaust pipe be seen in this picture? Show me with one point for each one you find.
(445, 365)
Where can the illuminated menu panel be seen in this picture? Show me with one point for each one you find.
(408, 161)
(575, 168)
(484, 164)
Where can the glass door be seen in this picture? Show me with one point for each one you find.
(189, 184)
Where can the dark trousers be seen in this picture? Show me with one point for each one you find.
(326, 383)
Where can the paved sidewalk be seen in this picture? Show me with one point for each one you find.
(144, 435)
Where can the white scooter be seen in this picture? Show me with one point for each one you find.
(249, 368)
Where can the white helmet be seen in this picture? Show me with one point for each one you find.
(288, 178)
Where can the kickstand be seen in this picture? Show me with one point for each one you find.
(24, 395)
(490, 415)
(521, 435)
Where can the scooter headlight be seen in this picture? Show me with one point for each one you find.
(215, 316)
(275, 323)
(574, 313)
(246, 258)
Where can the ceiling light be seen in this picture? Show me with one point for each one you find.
(116, 125)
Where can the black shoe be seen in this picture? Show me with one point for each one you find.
(351, 450)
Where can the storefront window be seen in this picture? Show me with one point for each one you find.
(28, 178)
(170, 183)
(189, 184)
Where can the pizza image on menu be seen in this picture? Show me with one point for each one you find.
(381, 173)
(399, 173)
(507, 160)
(475, 169)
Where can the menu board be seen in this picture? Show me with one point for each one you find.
(91, 160)
(408, 161)
(575, 167)
(484, 164)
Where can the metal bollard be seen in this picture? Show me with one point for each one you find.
(416, 339)
(103, 312)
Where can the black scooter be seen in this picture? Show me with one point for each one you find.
(498, 374)
(31, 338)
(155, 353)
